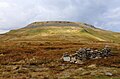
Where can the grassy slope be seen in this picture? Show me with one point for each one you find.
(68, 33)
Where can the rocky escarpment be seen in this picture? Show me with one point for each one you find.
(51, 23)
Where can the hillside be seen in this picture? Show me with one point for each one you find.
(61, 30)
(35, 52)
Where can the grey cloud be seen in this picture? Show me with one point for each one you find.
(101, 13)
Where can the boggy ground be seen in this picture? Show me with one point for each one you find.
(41, 60)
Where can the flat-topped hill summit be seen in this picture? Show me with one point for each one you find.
(52, 23)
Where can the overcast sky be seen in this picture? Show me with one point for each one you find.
(104, 14)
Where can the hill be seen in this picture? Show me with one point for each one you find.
(35, 51)
(61, 30)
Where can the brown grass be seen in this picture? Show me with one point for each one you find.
(16, 51)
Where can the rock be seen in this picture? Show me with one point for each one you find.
(73, 60)
(108, 74)
(66, 59)
(86, 73)
(79, 62)
(93, 66)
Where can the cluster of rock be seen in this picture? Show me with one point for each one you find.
(86, 54)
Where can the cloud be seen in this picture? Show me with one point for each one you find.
(3, 31)
(16, 14)
(4, 5)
